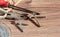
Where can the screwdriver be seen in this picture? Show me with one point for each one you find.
(23, 9)
(4, 3)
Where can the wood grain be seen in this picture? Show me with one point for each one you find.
(50, 26)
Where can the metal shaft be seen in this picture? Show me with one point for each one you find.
(36, 24)
(23, 9)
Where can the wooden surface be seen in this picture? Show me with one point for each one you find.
(50, 26)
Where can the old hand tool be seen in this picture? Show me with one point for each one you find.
(17, 16)
(4, 3)
(28, 18)
(16, 23)
(20, 16)
(23, 9)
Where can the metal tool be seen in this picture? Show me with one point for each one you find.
(17, 24)
(20, 16)
(23, 9)
(9, 14)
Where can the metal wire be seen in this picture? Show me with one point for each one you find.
(36, 19)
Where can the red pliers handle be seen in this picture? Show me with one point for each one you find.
(3, 3)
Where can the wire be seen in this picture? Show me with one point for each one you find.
(36, 19)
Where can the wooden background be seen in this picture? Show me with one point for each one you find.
(50, 26)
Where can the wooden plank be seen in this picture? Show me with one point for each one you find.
(50, 26)
(45, 3)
